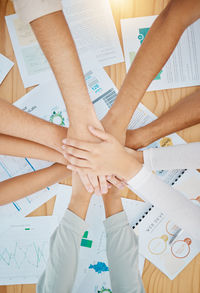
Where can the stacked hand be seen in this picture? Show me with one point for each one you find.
(93, 182)
(105, 158)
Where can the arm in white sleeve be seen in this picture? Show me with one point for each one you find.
(29, 10)
(186, 156)
(60, 272)
(122, 254)
(178, 208)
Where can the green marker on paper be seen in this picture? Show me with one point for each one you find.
(26, 229)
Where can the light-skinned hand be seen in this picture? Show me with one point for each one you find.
(107, 157)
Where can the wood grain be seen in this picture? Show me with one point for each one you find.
(188, 281)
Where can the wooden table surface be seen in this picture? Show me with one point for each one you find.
(188, 281)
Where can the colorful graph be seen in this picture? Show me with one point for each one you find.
(57, 118)
(100, 267)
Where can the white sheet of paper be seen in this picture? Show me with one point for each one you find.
(93, 28)
(183, 67)
(5, 66)
(24, 249)
(33, 65)
(155, 232)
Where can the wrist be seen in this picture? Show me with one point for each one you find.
(79, 206)
(140, 157)
(133, 167)
(112, 118)
(83, 116)
(138, 138)
(112, 203)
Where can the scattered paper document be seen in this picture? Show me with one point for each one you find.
(45, 101)
(95, 34)
(33, 65)
(5, 66)
(167, 258)
(183, 67)
(24, 249)
(92, 27)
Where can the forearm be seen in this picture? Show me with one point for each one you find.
(112, 203)
(19, 187)
(184, 114)
(155, 50)
(57, 44)
(14, 146)
(29, 127)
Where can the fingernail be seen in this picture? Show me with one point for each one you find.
(69, 167)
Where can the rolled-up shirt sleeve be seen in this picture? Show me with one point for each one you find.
(29, 10)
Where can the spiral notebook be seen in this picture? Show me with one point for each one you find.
(161, 241)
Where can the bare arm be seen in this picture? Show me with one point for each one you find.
(55, 39)
(14, 146)
(29, 127)
(57, 44)
(156, 48)
(184, 114)
(39, 180)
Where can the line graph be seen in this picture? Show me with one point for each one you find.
(20, 254)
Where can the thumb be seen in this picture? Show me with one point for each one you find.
(98, 133)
